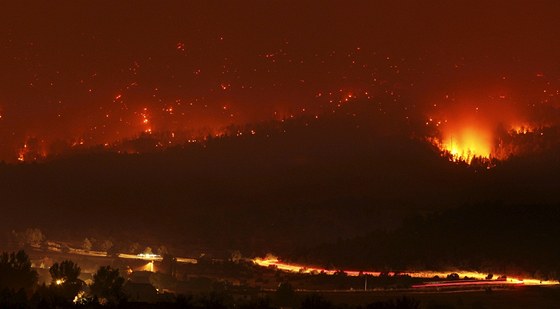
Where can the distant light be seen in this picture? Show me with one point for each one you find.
(148, 256)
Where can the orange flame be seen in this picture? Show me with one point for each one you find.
(468, 143)
(473, 129)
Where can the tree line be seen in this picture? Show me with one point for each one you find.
(19, 284)
(19, 289)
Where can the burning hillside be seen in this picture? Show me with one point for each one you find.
(484, 133)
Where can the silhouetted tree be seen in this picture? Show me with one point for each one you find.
(169, 265)
(16, 273)
(32, 237)
(66, 271)
(453, 276)
(48, 297)
(108, 284)
(65, 279)
(11, 299)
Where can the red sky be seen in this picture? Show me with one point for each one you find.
(106, 70)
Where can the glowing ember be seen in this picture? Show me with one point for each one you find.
(22, 152)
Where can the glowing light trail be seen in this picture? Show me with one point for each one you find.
(475, 278)
(463, 283)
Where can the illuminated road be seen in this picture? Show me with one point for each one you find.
(476, 278)
(141, 256)
(155, 258)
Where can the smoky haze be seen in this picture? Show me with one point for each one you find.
(95, 74)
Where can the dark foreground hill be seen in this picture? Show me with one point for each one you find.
(491, 238)
(302, 182)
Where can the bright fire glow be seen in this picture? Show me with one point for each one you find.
(468, 143)
(522, 129)
(485, 131)
(22, 152)
(463, 144)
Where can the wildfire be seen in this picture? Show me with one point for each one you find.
(522, 129)
(33, 150)
(146, 120)
(464, 144)
(485, 132)
(21, 153)
(467, 143)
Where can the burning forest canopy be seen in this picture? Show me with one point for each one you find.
(477, 71)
